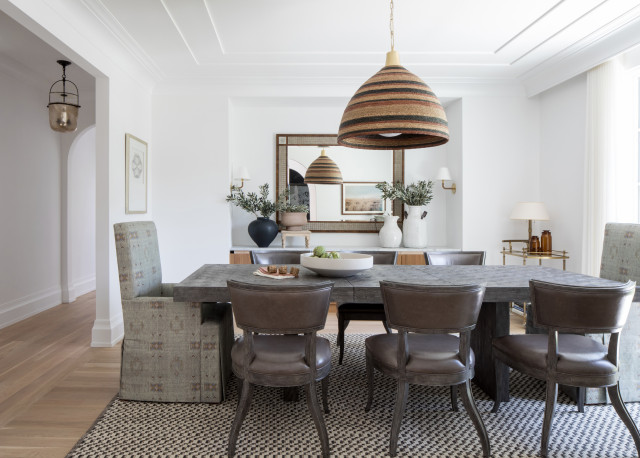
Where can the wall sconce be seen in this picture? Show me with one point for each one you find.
(64, 102)
(444, 175)
(241, 174)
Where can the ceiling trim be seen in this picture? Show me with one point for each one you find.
(102, 13)
(581, 56)
(177, 27)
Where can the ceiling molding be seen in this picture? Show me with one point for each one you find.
(582, 56)
(102, 13)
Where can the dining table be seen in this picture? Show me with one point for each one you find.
(503, 285)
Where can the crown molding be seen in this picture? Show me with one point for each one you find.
(611, 40)
(100, 11)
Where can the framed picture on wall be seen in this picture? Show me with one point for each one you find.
(362, 199)
(136, 174)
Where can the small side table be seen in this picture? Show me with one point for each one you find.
(305, 234)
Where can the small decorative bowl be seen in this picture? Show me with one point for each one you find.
(348, 264)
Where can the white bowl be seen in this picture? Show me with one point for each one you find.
(348, 264)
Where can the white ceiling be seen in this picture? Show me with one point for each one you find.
(335, 40)
(181, 39)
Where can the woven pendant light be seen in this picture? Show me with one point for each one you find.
(323, 171)
(393, 109)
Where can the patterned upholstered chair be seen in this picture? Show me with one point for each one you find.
(172, 351)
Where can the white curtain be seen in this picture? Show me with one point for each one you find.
(610, 186)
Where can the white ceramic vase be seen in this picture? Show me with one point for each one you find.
(390, 234)
(414, 227)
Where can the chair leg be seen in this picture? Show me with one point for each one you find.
(623, 413)
(239, 383)
(369, 383)
(582, 396)
(472, 410)
(454, 398)
(398, 413)
(241, 412)
(386, 327)
(342, 326)
(316, 415)
(325, 392)
(549, 410)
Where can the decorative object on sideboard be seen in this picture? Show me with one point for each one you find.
(64, 101)
(393, 109)
(445, 175)
(414, 196)
(241, 174)
(293, 217)
(545, 241)
(390, 234)
(530, 211)
(323, 171)
(263, 230)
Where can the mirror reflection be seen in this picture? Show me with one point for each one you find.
(356, 199)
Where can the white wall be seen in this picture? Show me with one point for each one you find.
(306, 115)
(29, 203)
(501, 146)
(562, 153)
(81, 190)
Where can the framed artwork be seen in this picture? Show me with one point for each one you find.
(362, 199)
(136, 174)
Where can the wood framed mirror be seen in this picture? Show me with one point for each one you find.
(330, 208)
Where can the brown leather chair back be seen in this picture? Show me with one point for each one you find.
(454, 258)
(280, 309)
(380, 257)
(276, 257)
(581, 309)
(431, 309)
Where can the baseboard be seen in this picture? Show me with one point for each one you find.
(84, 285)
(107, 333)
(17, 310)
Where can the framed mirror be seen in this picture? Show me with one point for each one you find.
(353, 206)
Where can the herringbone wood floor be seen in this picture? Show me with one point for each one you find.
(53, 385)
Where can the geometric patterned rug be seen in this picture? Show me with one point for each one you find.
(429, 427)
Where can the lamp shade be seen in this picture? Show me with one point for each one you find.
(323, 171)
(443, 174)
(242, 174)
(530, 210)
(393, 109)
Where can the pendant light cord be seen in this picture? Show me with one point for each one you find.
(391, 24)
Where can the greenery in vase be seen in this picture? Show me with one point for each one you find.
(283, 204)
(259, 205)
(419, 193)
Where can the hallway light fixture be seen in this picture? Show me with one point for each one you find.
(323, 171)
(393, 109)
(64, 102)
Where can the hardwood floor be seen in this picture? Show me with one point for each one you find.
(53, 384)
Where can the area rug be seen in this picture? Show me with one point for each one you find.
(429, 427)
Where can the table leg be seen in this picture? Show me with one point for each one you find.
(290, 394)
(493, 321)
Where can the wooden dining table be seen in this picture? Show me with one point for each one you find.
(504, 284)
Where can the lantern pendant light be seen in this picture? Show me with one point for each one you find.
(323, 171)
(64, 102)
(394, 109)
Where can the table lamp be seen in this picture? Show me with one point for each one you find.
(530, 211)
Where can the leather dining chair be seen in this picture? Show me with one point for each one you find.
(276, 256)
(454, 258)
(571, 359)
(363, 311)
(423, 351)
(272, 353)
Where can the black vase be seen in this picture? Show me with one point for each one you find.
(262, 231)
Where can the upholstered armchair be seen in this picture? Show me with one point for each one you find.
(172, 351)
